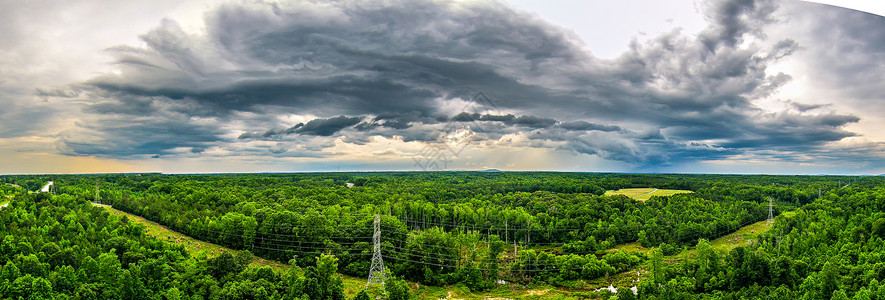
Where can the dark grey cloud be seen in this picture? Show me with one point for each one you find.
(585, 126)
(318, 127)
(20, 120)
(532, 121)
(389, 69)
(732, 20)
(806, 107)
(327, 127)
(402, 120)
(524, 120)
(57, 92)
(124, 136)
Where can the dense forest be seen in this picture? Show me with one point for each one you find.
(59, 247)
(440, 228)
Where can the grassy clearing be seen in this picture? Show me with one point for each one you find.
(629, 247)
(643, 194)
(744, 236)
(193, 246)
(352, 285)
(502, 292)
(580, 289)
(198, 248)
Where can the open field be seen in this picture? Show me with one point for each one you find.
(643, 194)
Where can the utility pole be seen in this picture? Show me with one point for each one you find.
(376, 271)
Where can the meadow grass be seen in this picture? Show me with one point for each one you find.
(643, 194)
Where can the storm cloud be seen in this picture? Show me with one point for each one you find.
(357, 69)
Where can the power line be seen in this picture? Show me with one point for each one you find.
(268, 244)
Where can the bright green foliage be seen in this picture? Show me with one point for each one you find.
(227, 264)
(438, 227)
(830, 249)
(362, 295)
(397, 289)
(441, 228)
(323, 281)
(82, 261)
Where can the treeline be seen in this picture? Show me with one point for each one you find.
(450, 227)
(61, 247)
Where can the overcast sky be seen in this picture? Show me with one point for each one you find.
(733, 86)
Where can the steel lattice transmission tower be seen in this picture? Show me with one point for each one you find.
(770, 210)
(97, 197)
(376, 271)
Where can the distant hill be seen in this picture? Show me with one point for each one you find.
(491, 170)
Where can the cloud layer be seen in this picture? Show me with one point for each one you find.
(297, 79)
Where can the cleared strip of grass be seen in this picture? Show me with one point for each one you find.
(198, 248)
(501, 292)
(578, 290)
(643, 194)
(194, 246)
(744, 236)
(353, 285)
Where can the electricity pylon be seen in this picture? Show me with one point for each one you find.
(376, 271)
(770, 210)
(97, 197)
